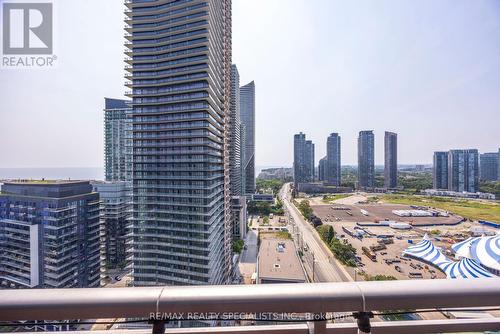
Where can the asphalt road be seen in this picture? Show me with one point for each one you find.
(247, 263)
(249, 255)
(326, 268)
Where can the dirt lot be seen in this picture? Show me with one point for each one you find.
(377, 212)
(393, 252)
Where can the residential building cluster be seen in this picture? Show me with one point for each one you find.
(329, 167)
(49, 235)
(179, 167)
(462, 170)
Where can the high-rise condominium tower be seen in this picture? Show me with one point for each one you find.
(236, 174)
(247, 109)
(117, 140)
(463, 170)
(180, 74)
(498, 171)
(440, 170)
(322, 169)
(488, 166)
(309, 158)
(332, 171)
(366, 159)
(390, 160)
(303, 159)
(237, 146)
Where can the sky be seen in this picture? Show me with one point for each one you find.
(428, 70)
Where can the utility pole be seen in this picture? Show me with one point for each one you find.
(313, 266)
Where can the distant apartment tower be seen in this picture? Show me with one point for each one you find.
(390, 160)
(333, 160)
(117, 139)
(49, 235)
(247, 109)
(440, 170)
(309, 158)
(236, 175)
(179, 64)
(303, 159)
(488, 166)
(322, 169)
(115, 212)
(366, 159)
(463, 170)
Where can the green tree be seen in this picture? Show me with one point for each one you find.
(263, 185)
(344, 252)
(305, 209)
(259, 208)
(491, 187)
(326, 233)
(238, 245)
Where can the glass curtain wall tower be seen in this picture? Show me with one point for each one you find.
(235, 150)
(179, 64)
(440, 170)
(390, 160)
(463, 170)
(247, 108)
(117, 141)
(488, 166)
(303, 160)
(332, 172)
(366, 159)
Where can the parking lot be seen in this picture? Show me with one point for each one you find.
(388, 261)
(377, 212)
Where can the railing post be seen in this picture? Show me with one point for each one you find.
(158, 327)
(317, 327)
(363, 319)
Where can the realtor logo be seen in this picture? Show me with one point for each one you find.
(27, 28)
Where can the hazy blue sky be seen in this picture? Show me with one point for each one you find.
(428, 70)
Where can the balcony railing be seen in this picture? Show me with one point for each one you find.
(361, 298)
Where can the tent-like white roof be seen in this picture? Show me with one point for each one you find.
(486, 250)
(468, 266)
(426, 251)
(462, 248)
(465, 268)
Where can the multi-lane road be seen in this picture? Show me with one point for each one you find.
(326, 267)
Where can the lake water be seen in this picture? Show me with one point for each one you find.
(53, 173)
(64, 173)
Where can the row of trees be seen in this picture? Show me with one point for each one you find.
(265, 208)
(343, 251)
(274, 184)
(306, 210)
(491, 187)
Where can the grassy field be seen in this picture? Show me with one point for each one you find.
(328, 198)
(475, 210)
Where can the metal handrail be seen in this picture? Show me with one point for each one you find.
(301, 298)
(392, 327)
